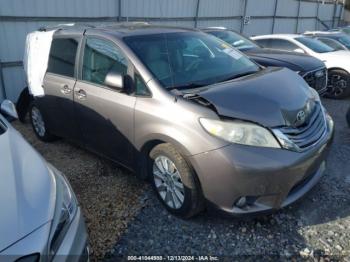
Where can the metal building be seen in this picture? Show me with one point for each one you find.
(252, 17)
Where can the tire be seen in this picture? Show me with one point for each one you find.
(192, 201)
(39, 129)
(338, 84)
(23, 104)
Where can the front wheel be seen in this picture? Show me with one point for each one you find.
(338, 84)
(39, 125)
(175, 182)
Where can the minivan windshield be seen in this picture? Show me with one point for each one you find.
(185, 60)
(234, 39)
(315, 45)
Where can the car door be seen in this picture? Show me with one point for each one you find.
(57, 104)
(105, 115)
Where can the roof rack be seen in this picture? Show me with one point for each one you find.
(99, 25)
(216, 27)
(124, 24)
(320, 32)
(65, 26)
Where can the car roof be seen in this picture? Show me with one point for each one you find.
(281, 36)
(120, 29)
(215, 28)
(218, 28)
(323, 33)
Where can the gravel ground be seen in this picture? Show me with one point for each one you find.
(316, 228)
(109, 196)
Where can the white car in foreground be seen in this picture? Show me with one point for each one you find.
(337, 62)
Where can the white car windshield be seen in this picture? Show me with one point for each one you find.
(315, 45)
(234, 39)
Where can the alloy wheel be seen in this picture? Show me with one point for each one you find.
(38, 122)
(337, 85)
(168, 182)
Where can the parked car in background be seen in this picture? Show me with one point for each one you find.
(344, 29)
(40, 219)
(337, 62)
(206, 124)
(336, 40)
(311, 69)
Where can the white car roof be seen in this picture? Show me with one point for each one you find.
(321, 33)
(280, 36)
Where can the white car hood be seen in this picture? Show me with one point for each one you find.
(338, 59)
(27, 188)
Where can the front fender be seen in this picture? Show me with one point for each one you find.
(176, 123)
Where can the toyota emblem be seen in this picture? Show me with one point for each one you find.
(300, 119)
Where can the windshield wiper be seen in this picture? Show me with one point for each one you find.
(238, 75)
(188, 86)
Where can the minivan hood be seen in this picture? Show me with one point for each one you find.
(271, 97)
(27, 189)
(294, 61)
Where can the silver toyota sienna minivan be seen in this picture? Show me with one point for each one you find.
(205, 124)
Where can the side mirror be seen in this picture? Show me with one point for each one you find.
(8, 109)
(114, 80)
(299, 50)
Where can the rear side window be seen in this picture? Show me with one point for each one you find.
(278, 44)
(100, 58)
(62, 56)
(263, 42)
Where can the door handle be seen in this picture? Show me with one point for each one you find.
(66, 90)
(81, 94)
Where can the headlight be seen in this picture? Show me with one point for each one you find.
(240, 133)
(65, 210)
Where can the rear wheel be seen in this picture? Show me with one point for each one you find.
(338, 84)
(175, 182)
(39, 125)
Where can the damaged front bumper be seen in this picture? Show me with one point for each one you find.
(241, 179)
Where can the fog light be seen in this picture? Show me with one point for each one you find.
(241, 202)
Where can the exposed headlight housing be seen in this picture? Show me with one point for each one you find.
(65, 210)
(240, 132)
(315, 95)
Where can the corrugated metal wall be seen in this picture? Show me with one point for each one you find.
(18, 17)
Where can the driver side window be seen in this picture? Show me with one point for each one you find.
(100, 58)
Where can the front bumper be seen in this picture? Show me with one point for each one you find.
(268, 178)
(74, 246)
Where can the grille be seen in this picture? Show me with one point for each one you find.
(309, 133)
(317, 79)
